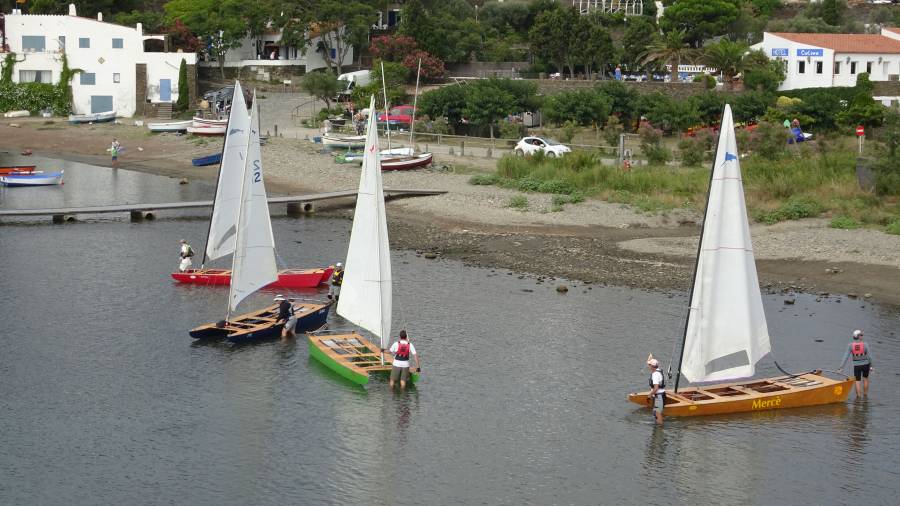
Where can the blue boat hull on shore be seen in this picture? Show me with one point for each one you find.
(36, 179)
(207, 160)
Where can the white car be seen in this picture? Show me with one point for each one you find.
(531, 145)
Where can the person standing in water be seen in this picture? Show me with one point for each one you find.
(337, 279)
(862, 362)
(657, 396)
(402, 350)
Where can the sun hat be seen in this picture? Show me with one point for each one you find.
(279, 297)
(338, 264)
(857, 333)
(653, 362)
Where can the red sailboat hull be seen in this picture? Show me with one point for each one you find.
(16, 169)
(287, 278)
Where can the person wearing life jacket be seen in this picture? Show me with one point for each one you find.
(186, 253)
(402, 350)
(657, 396)
(289, 326)
(862, 362)
(337, 278)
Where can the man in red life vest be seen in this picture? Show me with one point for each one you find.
(401, 350)
(862, 362)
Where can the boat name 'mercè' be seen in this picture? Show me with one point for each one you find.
(767, 403)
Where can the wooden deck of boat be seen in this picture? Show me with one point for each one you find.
(349, 354)
(810, 389)
(140, 208)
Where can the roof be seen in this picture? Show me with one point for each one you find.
(892, 29)
(846, 42)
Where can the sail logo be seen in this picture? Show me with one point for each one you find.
(767, 403)
(234, 131)
(257, 172)
(730, 156)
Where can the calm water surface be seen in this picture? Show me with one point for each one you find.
(106, 400)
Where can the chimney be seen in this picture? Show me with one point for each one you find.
(140, 28)
(72, 10)
(99, 16)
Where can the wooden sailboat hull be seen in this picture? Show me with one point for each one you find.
(287, 278)
(351, 356)
(261, 325)
(811, 389)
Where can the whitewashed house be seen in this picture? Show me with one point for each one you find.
(117, 73)
(267, 51)
(817, 60)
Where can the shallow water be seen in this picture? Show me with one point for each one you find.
(105, 398)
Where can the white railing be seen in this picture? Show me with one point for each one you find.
(627, 7)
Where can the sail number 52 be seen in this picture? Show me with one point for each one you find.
(257, 172)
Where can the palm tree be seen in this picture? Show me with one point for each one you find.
(728, 57)
(671, 49)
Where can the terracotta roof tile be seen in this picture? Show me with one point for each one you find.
(846, 42)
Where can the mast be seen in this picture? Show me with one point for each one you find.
(387, 121)
(697, 256)
(412, 125)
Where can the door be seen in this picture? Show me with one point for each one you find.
(165, 90)
(101, 103)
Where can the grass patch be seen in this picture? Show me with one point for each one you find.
(893, 227)
(519, 202)
(844, 222)
(794, 208)
(484, 179)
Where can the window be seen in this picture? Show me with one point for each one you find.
(852, 67)
(84, 42)
(801, 67)
(837, 67)
(819, 67)
(33, 44)
(88, 79)
(869, 68)
(117, 78)
(62, 42)
(35, 76)
(117, 44)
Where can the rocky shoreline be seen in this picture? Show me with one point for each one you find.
(593, 242)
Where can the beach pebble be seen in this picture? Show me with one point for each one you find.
(183, 181)
(790, 301)
(430, 255)
(562, 288)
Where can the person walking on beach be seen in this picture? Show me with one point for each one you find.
(862, 362)
(337, 278)
(657, 394)
(114, 149)
(186, 253)
(401, 350)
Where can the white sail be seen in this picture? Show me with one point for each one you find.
(726, 331)
(228, 191)
(366, 291)
(254, 255)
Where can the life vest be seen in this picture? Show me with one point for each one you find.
(858, 349)
(662, 384)
(402, 351)
(337, 278)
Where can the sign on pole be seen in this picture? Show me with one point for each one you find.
(860, 134)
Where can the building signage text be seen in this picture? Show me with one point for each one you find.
(779, 51)
(810, 52)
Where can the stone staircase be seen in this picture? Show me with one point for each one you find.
(164, 111)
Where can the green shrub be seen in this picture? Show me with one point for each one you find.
(844, 222)
(509, 130)
(794, 208)
(484, 179)
(573, 198)
(893, 227)
(556, 186)
(692, 152)
(528, 184)
(709, 82)
(519, 202)
(326, 113)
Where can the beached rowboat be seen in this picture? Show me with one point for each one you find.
(207, 160)
(174, 126)
(98, 117)
(406, 163)
(287, 278)
(344, 141)
(38, 179)
(16, 114)
(199, 122)
(206, 130)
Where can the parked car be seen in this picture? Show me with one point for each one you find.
(400, 115)
(531, 145)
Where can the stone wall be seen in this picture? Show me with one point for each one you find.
(886, 89)
(486, 69)
(140, 89)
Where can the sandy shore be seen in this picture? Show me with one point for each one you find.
(594, 241)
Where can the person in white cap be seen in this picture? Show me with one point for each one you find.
(862, 362)
(186, 253)
(337, 278)
(288, 329)
(284, 309)
(657, 396)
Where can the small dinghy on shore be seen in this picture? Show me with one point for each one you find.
(98, 117)
(17, 169)
(16, 114)
(207, 130)
(174, 126)
(344, 141)
(406, 163)
(32, 179)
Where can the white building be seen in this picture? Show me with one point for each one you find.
(267, 50)
(117, 73)
(819, 60)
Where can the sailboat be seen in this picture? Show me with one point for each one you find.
(366, 293)
(221, 238)
(251, 243)
(726, 333)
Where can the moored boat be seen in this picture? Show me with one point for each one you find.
(206, 130)
(98, 117)
(262, 324)
(174, 126)
(726, 332)
(197, 121)
(344, 141)
(287, 278)
(406, 163)
(386, 154)
(207, 160)
(16, 114)
(33, 179)
(17, 169)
